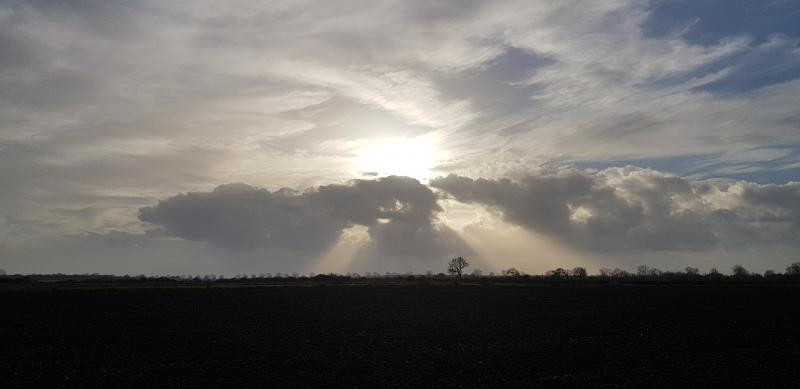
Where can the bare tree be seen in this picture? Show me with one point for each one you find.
(511, 272)
(692, 271)
(457, 265)
(793, 269)
(613, 273)
(579, 272)
(653, 272)
(557, 273)
(739, 271)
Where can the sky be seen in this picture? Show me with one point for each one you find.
(248, 137)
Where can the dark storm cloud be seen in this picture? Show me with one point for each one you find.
(396, 210)
(630, 208)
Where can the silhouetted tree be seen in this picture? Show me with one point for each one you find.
(793, 269)
(653, 272)
(739, 271)
(579, 272)
(557, 273)
(691, 271)
(643, 270)
(456, 266)
(613, 273)
(477, 273)
(511, 272)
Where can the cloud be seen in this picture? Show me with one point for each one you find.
(396, 210)
(778, 203)
(624, 209)
(243, 217)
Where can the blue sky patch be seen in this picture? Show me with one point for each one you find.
(708, 22)
(776, 165)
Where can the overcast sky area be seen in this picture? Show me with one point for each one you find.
(205, 137)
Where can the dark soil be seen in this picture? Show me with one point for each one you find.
(403, 336)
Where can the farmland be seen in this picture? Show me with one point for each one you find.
(402, 336)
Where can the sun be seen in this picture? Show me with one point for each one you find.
(412, 157)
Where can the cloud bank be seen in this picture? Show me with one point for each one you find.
(399, 213)
(622, 209)
(615, 210)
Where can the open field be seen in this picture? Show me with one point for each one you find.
(404, 336)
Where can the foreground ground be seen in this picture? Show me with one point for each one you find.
(404, 336)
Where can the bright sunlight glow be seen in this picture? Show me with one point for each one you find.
(412, 157)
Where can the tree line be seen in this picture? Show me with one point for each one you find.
(456, 270)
